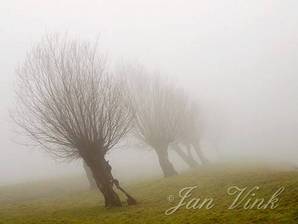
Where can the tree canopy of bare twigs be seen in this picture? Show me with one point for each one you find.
(68, 98)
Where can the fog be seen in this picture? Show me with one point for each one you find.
(238, 59)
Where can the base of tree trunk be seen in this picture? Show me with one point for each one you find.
(164, 162)
(101, 172)
(105, 182)
(111, 199)
(130, 200)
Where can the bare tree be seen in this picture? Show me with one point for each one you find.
(159, 108)
(190, 135)
(72, 106)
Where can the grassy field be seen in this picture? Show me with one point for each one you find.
(68, 201)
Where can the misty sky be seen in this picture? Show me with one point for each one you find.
(238, 58)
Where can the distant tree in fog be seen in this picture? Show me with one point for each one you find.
(159, 109)
(191, 132)
(72, 106)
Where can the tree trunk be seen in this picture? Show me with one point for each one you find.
(102, 175)
(187, 158)
(164, 162)
(199, 152)
(92, 183)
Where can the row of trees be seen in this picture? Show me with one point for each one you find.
(165, 117)
(71, 104)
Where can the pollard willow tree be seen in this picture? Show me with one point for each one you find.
(73, 107)
(159, 109)
(190, 135)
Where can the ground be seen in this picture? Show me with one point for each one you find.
(68, 200)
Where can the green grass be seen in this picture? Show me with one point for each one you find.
(68, 201)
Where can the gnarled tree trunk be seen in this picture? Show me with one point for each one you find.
(164, 162)
(101, 172)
